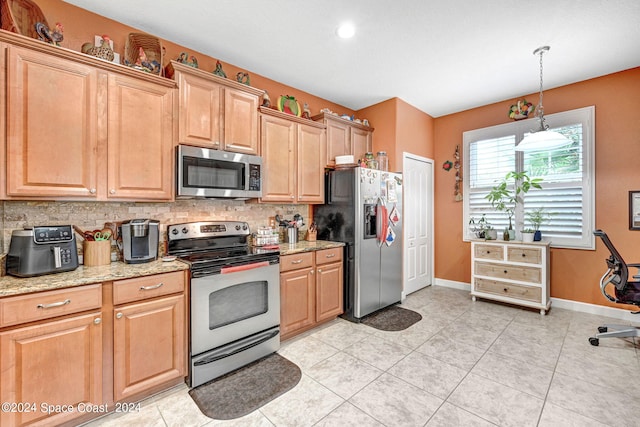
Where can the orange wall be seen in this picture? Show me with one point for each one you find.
(400, 127)
(574, 273)
(80, 26)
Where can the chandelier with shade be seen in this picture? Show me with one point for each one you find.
(542, 138)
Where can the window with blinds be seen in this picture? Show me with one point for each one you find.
(567, 193)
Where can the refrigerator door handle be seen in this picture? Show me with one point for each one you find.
(382, 222)
(328, 187)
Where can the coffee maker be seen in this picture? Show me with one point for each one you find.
(139, 240)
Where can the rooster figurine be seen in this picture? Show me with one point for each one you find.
(104, 51)
(46, 35)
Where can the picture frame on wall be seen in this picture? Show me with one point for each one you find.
(634, 210)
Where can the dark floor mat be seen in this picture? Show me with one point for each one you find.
(244, 390)
(392, 318)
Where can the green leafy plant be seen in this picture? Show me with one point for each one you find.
(509, 192)
(480, 227)
(537, 217)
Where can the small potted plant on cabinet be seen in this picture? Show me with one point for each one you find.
(482, 229)
(506, 199)
(537, 217)
(527, 235)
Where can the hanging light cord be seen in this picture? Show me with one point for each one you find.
(540, 108)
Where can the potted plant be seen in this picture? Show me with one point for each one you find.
(527, 235)
(482, 229)
(509, 192)
(536, 218)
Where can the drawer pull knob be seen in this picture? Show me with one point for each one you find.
(97, 320)
(505, 272)
(148, 288)
(330, 256)
(298, 261)
(119, 316)
(55, 304)
(524, 255)
(505, 289)
(488, 252)
(311, 272)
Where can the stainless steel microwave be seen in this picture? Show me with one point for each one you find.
(202, 172)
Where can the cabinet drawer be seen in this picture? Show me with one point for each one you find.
(510, 290)
(147, 287)
(325, 256)
(528, 255)
(296, 261)
(506, 271)
(488, 252)
(45, 305)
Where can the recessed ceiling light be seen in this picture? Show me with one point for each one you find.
(346, 30)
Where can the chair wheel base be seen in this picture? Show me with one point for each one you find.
(594, 341)
(602, 329)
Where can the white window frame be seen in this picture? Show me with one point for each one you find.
(586, 116)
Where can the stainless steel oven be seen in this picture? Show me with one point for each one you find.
(235, 297)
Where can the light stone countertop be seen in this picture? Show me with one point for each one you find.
(82, 275)
(11, 286)
(306, 246)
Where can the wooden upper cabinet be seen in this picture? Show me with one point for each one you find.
(78, 128)
(215, 112)
(293, 152)
(311, 152)
(361, 142)
(51, 126)
(240, 121)
(278, 159)
(140, 143)
(337, 140)
(345, 137)
(199, 110)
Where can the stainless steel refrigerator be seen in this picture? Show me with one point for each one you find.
(363, 209)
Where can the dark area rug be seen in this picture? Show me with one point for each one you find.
(246, 389)
(392, 318)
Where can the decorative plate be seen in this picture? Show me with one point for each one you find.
(288, 104)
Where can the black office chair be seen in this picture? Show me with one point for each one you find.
(624, 291)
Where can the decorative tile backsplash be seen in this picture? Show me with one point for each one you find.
(90, 215)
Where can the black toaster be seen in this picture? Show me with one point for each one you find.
(36, 251)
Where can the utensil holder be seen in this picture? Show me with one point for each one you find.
(292, 235)
(311, 236)
(96, 252)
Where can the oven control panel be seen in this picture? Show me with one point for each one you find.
(195, 230)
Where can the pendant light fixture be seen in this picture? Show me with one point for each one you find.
(543, 138)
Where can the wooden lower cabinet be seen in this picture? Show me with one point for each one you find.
(68, 355)
(149, 344)
(48, 366)
(311, 290)
(297, 300)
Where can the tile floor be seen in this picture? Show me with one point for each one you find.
(464, 364)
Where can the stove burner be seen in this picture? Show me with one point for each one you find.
(208, 247)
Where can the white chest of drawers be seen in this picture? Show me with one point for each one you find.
(511, 272)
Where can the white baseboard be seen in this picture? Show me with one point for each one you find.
(599, 310)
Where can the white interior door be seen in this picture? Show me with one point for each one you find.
(418, 222)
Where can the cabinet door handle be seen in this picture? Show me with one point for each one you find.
(54, 304)
(311, 272)
(148, 288)
(330, 256)
(112, 191)
(97, 320)
(298, 261)
(119, 316)
(319, 270)
(92, 191)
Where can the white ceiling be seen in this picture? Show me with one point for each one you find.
(441, 56)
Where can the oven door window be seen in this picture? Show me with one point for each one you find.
(237, 303)
(209, 173)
